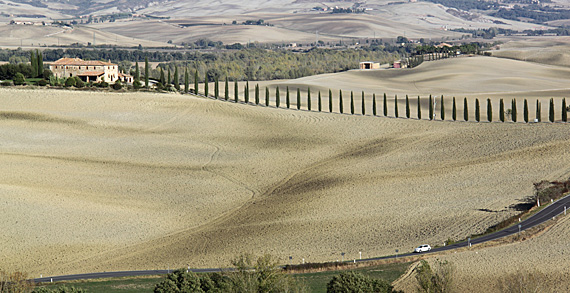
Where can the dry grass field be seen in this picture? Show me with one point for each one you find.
(546, 50)
(484, 269)
(106, 181)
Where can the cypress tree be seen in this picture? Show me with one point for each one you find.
(137, 72)
(40, 61)
(514, 111)
(186, 80)
(363, 104)
(351, 103)
(442, 107)
(407, 107)
(340, 105)
(489, 111)
(195, 80)
(551, 111)
(257, 94)
(162, 79)
(538, 111)
(216, 88)
(236, 92)
(385, 105)
(146, 74)
(169, 81)
(454, 111)
(309, 98)
(33, 63)
(465, 110)
(477, 111)
(288, 99)
(277, 98)
(266, 96)
(246, 92)
(330, 101)
(525, 111)
(502, 110)
(374, 104)
(227, 89)
(320, 102)
(396, 106)
(206, 82)
(564, 111)
(419, 109)
(176, 82)
(430, 108)
(298, 99)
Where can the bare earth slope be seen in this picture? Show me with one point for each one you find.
(99, 181)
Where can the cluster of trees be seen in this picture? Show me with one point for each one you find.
(538, 13)
(467, 4)
(347, 10)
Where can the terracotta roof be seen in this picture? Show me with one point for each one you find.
(77, 61)
(91, 73)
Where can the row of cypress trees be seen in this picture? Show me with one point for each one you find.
(503, 115)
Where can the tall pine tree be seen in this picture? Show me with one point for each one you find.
(277, 98)
(266, 96)
(320, 102)
(169, 81)
(351, 103)
(374, 104)
(396, 106)
(564, 111)
(514, 110)
(454, 111)
(442, 109)
(186, 80)
(298, 99)
(538, 111)
(257, 94)
(385, 105)
(419, 108)
(489, 111)
(206, 82)
(236, 92)
(146, 72)
(246, 92)
(363, 104)
(137, 72)
(288, 99)
(227, 89)
(216, 87)
(525, 111)
(501, 110)
(551, 111)
(430, 108)
(162, 79)
(477, 111)
(340, 105)
(309, 98)
(176, 83)
(330, 101)
(195, 80)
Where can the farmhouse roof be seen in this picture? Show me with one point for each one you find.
(78, 61)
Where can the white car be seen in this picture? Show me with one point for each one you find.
(422, 248)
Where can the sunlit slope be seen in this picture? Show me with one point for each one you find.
(99, 182)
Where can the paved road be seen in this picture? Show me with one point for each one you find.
(544, 215)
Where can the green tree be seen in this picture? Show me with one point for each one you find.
(465, 110)
(246, 92)
(353, 282)
(19, 79)
(419, 109)
(442, 108)
(454, 110)
(351, 102)
(438, 279)
(137, 84)
(407, 107)
(477, 111)
(396, 106)
(298, 99)
(162, 79)
(146, 73)
(363, 104)
(257, 94)
(385, 105)
(330, 101)
(489, 111)
(169, 81)
(277, 98)
(309, 98)
(551, 111)
(206, 82)
(180, 281)
(227, 89)
(216, 87)
(175, 78)
(501, 110)
(267, 96)
(564, 111)
(374, 104)
(195, 81)
(236, 92)
(525, 111)
(320, 102)
(538, 111)
(514, 110)
(186, 80)
(33, 63)
(340, 105)
(137, 71)
(430, 108)
(117, 85)
(288, 98)
(40, 60)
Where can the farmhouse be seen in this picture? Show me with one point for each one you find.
(369, 65)
(89, 71)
